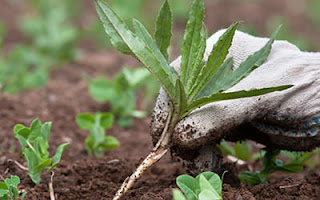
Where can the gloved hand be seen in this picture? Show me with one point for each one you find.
(289, 119)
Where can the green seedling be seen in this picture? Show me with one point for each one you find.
(34, 142)
(53, 41)
(97, 143)
(311, 159)
(22, 69)
(241, 150)
(51, 31)
(121, 93)
(270, 165)
(198, 84)
(206, 186)
(9, 189)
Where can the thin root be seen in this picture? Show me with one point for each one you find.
(51, 191)
(152, 158)
(19, 165)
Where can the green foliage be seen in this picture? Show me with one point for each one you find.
(53, 40)
(22, 69)
(9, 189)
(270, 165)
(52, 33)
(137, 9)
(206, 186)
(97, 143)
(311, 159)
(199, 83)
(34, 142)
(241, 150)
(121, 93)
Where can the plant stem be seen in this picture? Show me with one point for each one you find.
(51, 191)
(152, 158)
(160, 149)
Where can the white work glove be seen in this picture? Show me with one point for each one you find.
(289, 119)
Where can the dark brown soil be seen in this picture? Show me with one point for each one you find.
(88, 178)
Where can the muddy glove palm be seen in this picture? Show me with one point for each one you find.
(289, 119)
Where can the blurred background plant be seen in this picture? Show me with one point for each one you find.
(121, 93)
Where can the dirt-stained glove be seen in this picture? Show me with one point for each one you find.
(289, 119)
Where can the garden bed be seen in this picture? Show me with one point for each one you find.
(82, 177)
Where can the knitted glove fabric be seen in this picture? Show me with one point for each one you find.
(289, 119)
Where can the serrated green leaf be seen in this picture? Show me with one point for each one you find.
(197, 64)
(178, 195)
(106, 120)
(181, 99)
(85, 121)
(111, 27)
(218, 81)
(188, 185)
(231, 95)
(101, 89)
(116, 28)
(143, 34)
(57, 156)
(245, 68)
(163, 29)
(215, 60)
(209, 195)
(191, 40)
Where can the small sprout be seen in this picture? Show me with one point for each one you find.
(34, 142)
(240, 150)
(270, 165)
(121, 93)
(97, 143)
(206, 186)
(9, 189)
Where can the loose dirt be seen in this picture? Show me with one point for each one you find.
(88, 178)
